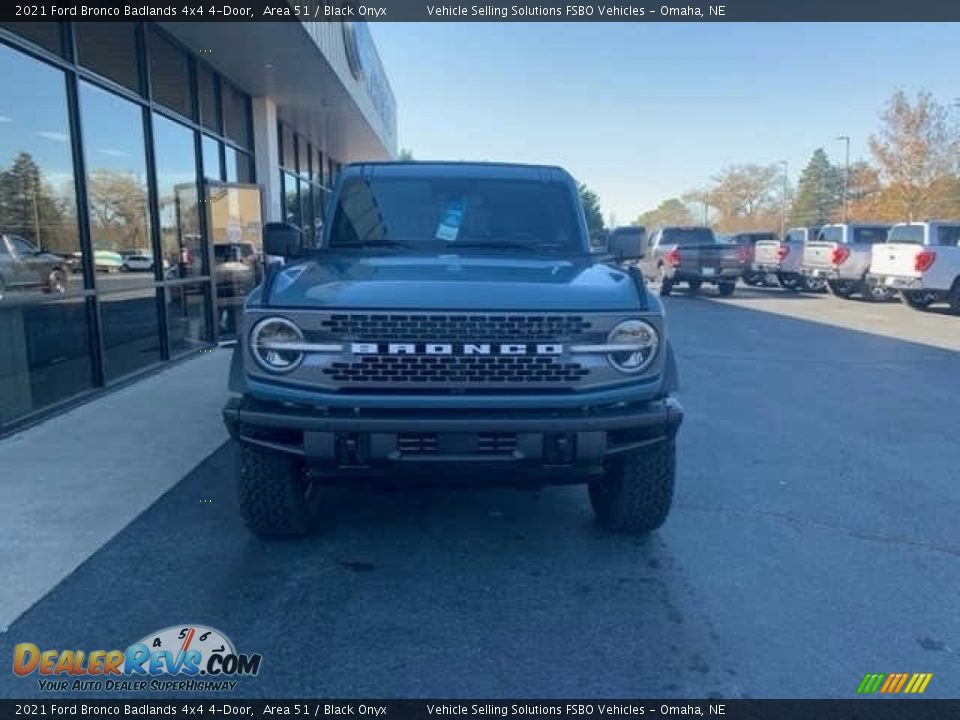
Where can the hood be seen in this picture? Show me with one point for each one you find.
(452, 282)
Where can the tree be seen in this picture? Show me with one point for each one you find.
(819, 194)
(913, 150)
(591, 210)
(747, 196)
(405, 155)
(118, 210)
(31, 208)
(669, 212)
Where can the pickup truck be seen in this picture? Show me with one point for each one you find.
(748, 241)
(693, 256)
(453, 325)
(921, 260)
(783, 259)
(841, 256)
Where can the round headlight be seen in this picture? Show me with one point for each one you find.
(269, 344)
(643, 340)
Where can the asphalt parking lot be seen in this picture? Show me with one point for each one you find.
(813, 540)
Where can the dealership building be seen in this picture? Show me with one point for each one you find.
(138, 164)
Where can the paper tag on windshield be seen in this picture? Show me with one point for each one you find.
(451, 219)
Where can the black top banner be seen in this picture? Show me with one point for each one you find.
(878, 709)
(491, 10)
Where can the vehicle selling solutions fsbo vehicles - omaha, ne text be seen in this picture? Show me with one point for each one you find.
(454, 319)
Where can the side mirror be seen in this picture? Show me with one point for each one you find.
(281, 239)
(627, 246)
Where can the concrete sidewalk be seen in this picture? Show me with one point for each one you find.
(71, 483)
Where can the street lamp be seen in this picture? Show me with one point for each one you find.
(846, 174)
(783, 201)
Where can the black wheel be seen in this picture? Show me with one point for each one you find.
(635, 493)
(954, 297)
(813, 285)
(875, 293)
(841, 288)
(666, 284)
(918, 299)
(57, 281)
(789, 282)
(752, 279)
(726, 288)
(695, 286)
(275, 494)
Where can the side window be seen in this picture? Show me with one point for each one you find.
(21, 246)
(948, 235)
(870, 235)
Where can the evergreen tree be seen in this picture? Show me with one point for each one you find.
(819, 196)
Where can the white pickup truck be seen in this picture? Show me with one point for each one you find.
(841, 255)
(783, 259)
(922, 261)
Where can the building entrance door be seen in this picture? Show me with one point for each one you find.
(235, 231)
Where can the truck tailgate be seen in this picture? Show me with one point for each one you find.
(767, 252)
(708, 258)
(895, 259)
(819, 254)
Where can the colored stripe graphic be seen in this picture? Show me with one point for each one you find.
(893, 683)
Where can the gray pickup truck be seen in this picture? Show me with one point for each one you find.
(693, 256)
(453, 325)
(841, 256)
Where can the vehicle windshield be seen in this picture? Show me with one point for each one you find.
(688, 236)
(439, 214)
(906, 234)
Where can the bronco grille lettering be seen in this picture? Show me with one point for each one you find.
(368, 348)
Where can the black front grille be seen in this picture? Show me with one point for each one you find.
(455, 328)
(387, 369)
(480, 444)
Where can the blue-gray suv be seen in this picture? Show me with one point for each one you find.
(453, 325)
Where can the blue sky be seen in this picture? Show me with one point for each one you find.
(642, 112)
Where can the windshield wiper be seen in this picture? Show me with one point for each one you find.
(375, 243)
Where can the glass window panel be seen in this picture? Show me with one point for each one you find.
(131, 331)
(306, 212)
(209, 107)
(187, 317)
(45, 34)
(39, 239)
(288, 157)
(45, 355)
(115, 159)
(303, 157)
(238, 166)
(180, 241)
(236, 117)
(110, 49)
(211, 158)
(169, 75)
(319, 202)
(291, 199)
(316, 173)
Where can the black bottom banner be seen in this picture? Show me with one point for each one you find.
(875, 709)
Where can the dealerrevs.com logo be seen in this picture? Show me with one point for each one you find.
(178, 658)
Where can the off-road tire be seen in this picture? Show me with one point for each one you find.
(813, 285)
(726, 289)
(918, 299)
(875, 293)
(842, 288)
(635, 493)
(57, 281)
(273, 492)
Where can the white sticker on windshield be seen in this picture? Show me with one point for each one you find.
(451, 220)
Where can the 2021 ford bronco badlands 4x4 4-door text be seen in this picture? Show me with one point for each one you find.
(453, 323)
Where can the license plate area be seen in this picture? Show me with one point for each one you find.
(709, 272)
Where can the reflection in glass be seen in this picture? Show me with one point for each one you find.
(131, 339)
(45, 34)
(116, 186)
(39, 242)
(45, 355)
(110, 49)
(175, 158)
(236, 232)
(319, 207)
(187, 317)
(236, 115)
(291, 199)
(306, 214)
(169, 75)
(238, 166)
(288, 155)
(209, 107)
(210, 149)
(303, 157)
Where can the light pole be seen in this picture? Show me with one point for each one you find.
(783, 201)
(846, 174)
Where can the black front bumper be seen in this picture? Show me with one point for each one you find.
(366, 441)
